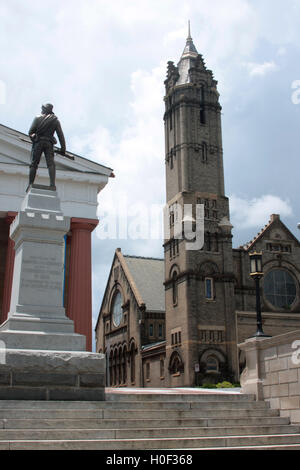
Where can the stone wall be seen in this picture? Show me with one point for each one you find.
(272, 372)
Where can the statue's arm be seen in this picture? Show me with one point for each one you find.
(61, 137)
(33, 127)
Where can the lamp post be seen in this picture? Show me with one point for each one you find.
(256, 273)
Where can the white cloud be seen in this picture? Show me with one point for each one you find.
(136, 156)
(260, 70)
(103, 64)
(282, 51)
(256, 212)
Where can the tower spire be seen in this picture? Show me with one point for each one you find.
(190, 49)
(189, 30)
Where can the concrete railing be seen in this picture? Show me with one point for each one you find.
(272, 372)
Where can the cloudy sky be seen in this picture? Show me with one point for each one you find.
(103, 62)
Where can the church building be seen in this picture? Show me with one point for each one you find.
(177, 321)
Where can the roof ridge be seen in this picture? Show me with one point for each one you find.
(143, 257)
(273, 218)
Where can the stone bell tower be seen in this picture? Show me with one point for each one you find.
(199, 283)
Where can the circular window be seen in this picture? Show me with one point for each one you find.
(280, 288)
(117, 312)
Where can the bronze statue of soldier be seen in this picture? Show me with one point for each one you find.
(41, 134)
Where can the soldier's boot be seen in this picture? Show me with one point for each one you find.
(32, 173)
(52, 172)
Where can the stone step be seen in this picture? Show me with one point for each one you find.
(97, 415)
(155, 444)
(152, 433)
(267, 447)
(93, 423)
(195, 413)
(98, 412)
(34, 407)
(119, 399)
(196, 397)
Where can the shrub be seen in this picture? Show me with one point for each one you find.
(208, 385)
(225, 385)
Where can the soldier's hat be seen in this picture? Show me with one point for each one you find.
(48, 107)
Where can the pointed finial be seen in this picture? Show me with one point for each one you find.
(189, 30)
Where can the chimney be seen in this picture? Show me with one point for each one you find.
(275, 217)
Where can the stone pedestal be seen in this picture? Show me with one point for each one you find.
(37, 333)
(251, 377)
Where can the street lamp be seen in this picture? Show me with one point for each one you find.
(256, 273)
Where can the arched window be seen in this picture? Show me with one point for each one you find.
(212, 364)
(111, 369)
(202, 93)
(207, 241)
(132, 364)
(124, 364)
(204, 152)
(176, 365)
(117, 312)
(174, 288)
(120, 369)
(209, 288)
(202, 115)
(115, 369)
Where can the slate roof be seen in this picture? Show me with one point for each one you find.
(148, 276)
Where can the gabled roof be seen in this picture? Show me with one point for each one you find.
(274, 219)
(148, 274)
(145, 277)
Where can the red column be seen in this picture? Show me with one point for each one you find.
(9, 269)
(79, 306)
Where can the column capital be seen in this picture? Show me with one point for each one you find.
(83, 224)
(10, 216)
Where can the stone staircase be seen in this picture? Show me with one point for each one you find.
(150, 421)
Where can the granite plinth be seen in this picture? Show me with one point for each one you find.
(51, 375)
(42, 358)
(41, 198)
(37, 318)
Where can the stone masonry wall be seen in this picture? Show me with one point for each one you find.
(273, 372)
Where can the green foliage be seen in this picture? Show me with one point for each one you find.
(220, 385)
(225, 385)
(208, 385)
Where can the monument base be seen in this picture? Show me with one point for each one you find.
(41, 356)
(51, 375)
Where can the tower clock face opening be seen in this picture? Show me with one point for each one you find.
(117, 312)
